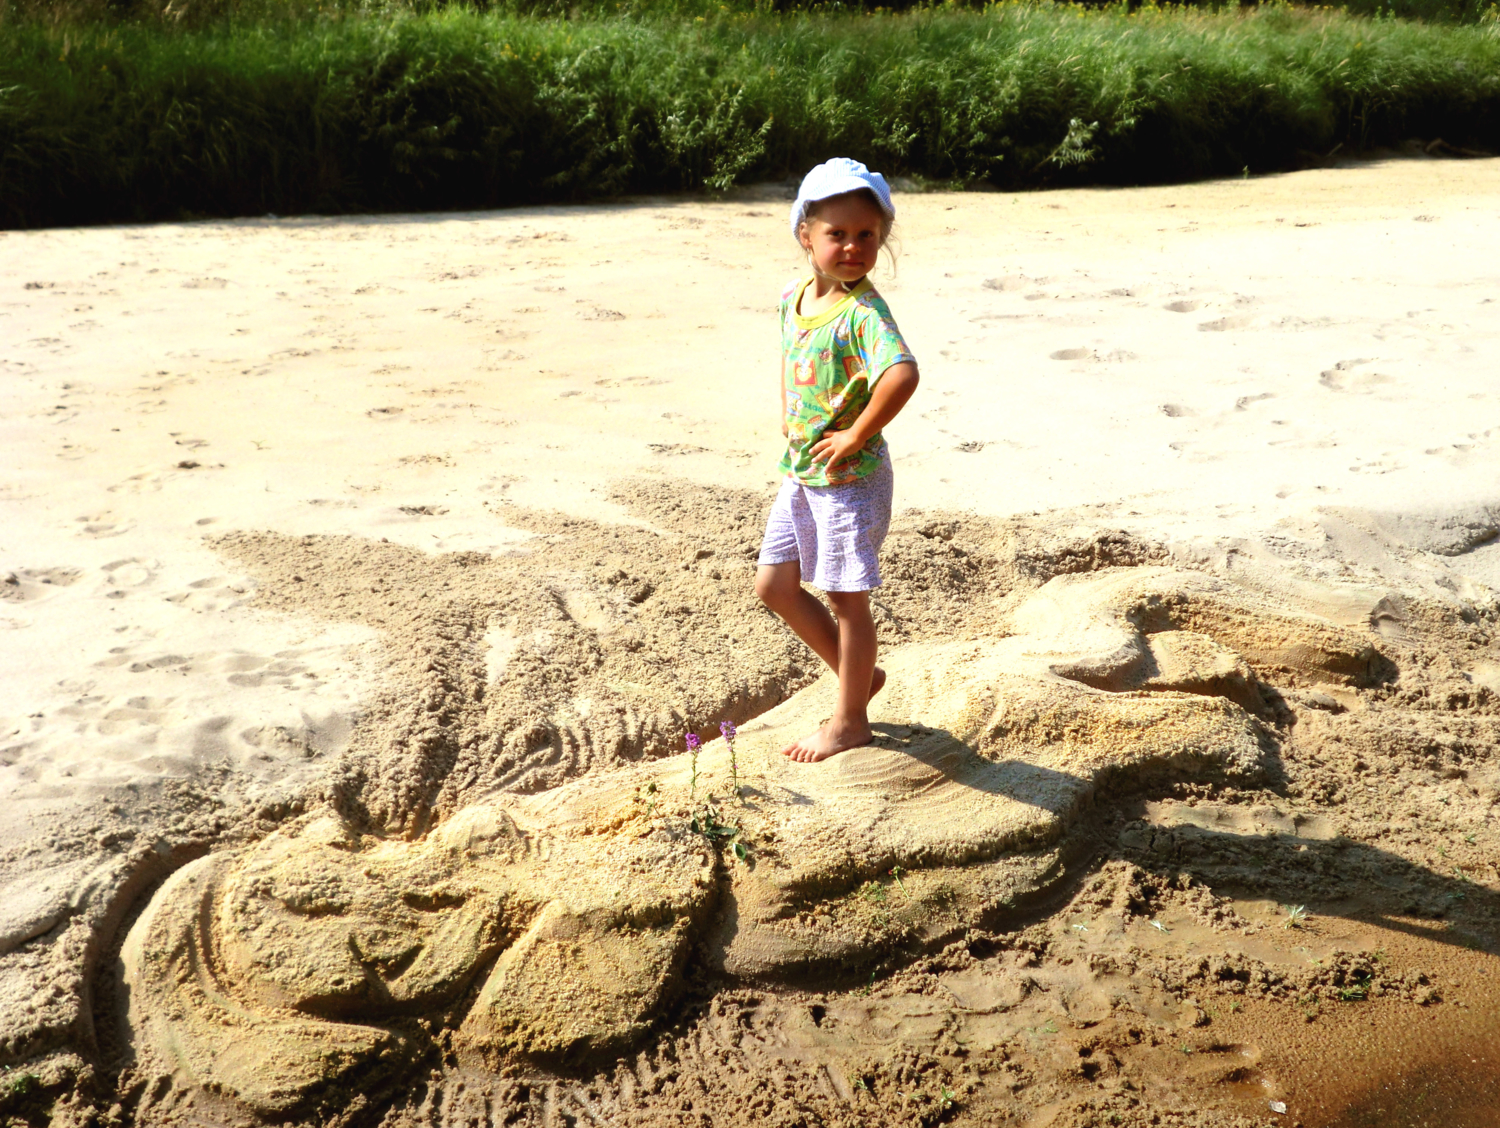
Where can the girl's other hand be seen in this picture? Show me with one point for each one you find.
(836, 447)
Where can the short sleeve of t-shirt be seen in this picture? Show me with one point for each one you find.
(876, 339)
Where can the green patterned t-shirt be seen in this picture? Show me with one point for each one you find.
(833, 361)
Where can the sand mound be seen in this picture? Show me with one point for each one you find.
(557, 925)
(240, 954)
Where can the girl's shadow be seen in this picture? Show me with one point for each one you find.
(1342, 877)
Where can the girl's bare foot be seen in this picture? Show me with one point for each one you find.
(829, 740)
(834, 737)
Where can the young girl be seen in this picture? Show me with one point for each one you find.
(845, 373)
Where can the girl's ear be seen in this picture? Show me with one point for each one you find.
(803, 237)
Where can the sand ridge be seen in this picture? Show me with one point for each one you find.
(991, 756)
(990, 764)
(587, 897)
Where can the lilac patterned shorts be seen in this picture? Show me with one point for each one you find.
(833, 532)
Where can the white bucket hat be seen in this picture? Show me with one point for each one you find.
(834, 178)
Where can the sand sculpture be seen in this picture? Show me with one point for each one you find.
(557, 926)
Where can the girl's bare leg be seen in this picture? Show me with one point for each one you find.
(780, 588)
(849, 727)
(847, 645)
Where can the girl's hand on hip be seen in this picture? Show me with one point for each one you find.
(836, 447)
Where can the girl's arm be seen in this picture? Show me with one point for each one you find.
(781, 399)
(892, 390)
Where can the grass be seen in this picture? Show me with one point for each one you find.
(403, 109)
(1356, 992)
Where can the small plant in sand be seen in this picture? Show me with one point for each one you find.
(648, 796)
(693, 744)
(707, 823)
(1296, 916)
(705, 820)
(729, 732)
(1357, 991)
(19, 1084)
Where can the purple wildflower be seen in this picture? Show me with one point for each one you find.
(693, 743)
(728, 731)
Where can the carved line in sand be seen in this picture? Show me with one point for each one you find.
(557, 925)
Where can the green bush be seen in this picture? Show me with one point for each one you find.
(114, 121)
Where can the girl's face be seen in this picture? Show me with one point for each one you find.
(844, 237)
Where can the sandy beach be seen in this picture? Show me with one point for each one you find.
(359, 577)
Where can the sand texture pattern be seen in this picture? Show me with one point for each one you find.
(577, 907)
(360, 580)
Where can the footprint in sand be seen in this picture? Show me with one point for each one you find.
(1376, 466)
(211, 594)
(1186, 305)
(255, 670)
(143, 483)
(131, 715)
(128, 574)
(176, 662)
(1072, 354)
(1342, 377)
(1225, 324)
(25, 584)
(103, 525)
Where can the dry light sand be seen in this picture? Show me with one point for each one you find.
(359, 577)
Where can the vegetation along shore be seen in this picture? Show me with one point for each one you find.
(116, 119)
